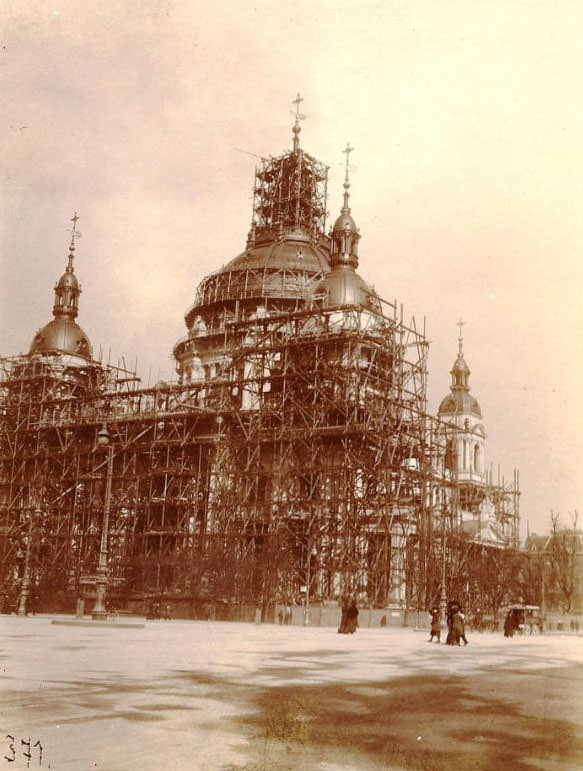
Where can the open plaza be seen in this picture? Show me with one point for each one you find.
(214, 696)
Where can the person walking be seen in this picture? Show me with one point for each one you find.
(435, 625)
(352, 617)
(509, 625)
(463, 620)
(457, 628)
(287, 616)
(452, 608)
(343, 628)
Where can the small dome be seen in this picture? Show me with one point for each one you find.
(459, 403)
(343, 286)
(68, 281)
(344, 223)
(62, 335)
(460, 367)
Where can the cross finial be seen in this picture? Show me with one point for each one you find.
(298, 115)
(460, 339)
(297, 101)
(348, 149)
(74, 234)
(73, 231)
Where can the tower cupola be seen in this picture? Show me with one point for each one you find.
(465, 452)
(63, 334)
(460, 372)
(345, 234)
(343, 286)
(67, 289)
(459, 401)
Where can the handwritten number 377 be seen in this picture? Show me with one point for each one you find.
(27, 753)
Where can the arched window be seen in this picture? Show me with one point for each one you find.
(477, 457)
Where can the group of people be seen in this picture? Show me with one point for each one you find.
(456, 629)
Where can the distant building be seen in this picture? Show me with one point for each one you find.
(559, 558)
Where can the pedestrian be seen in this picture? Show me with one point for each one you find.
(352, 617)
(509, 625)
(343, 628)
(280, 616)
(452, 608)
(435, 625)
(457, 628)
(462, 616)
(287, 617)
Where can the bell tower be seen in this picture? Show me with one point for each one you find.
(461, 410)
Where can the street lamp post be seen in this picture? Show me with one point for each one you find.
(311, 553)
(25, 586)
(443, 593)
(543, 608)
(99, 611)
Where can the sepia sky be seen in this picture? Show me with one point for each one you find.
(466, 117)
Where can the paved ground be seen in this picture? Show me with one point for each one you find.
(240, 697)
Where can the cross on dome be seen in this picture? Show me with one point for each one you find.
(347, 150)
(460, 339)
(299, 116)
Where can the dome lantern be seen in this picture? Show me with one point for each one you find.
(67, 289)
(345, 234)
(460, 372)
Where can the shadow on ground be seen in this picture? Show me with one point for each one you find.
(414, 722)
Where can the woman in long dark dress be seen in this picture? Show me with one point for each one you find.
(435, 625)
(509, 625)
(457, 628)
(352, 617)
(343, 628)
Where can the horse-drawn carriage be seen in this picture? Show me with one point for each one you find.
(525, 619)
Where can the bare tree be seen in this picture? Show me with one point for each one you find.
(530, 578)
(564, 545)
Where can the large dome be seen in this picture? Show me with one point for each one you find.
(294, 250)
(285, 268)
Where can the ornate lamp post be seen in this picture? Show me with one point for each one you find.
(25, 586)
(99, 611)
(443, 592)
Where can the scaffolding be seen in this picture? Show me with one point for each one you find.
(293, 461)
(308, 465)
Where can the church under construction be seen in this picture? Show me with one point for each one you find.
(293, 461)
